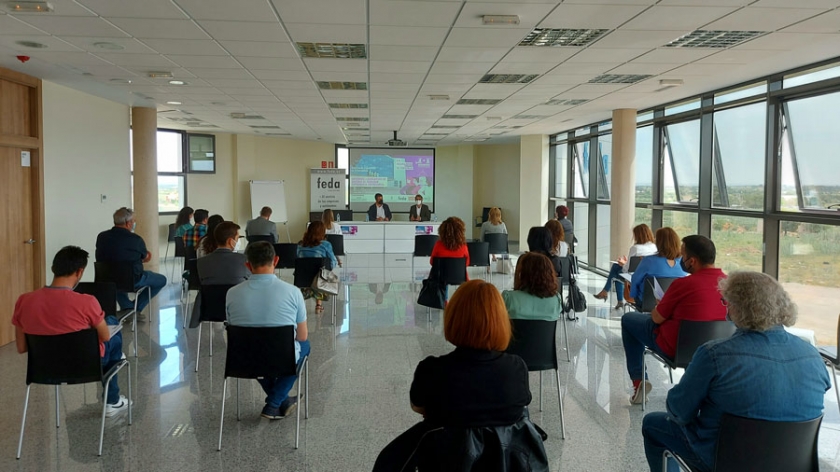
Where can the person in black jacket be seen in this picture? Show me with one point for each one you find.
(475, 386)
(379, 211)
(541, 242)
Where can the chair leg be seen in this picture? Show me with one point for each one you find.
(134, 324)
(306, 394)
(102, 423)
(836, 385)
(541, 389)
(297, 428)
(644, 377)
(566, 335)
(430, 315)
(211, 338)
(560, 400)
(57, 398)
(198, 347)
(238, 417)
(671, 375)
(128, 365)
(222, 418)
(23, 421)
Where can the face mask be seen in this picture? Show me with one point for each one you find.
(379, 201)
(684, 267)
(133, 226)
(418, 202)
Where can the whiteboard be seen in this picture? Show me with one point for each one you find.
(270, 193)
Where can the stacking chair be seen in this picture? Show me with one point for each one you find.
(749, 445)
(832, 360)
(189, 282)
(423, 245)
(69, 359)
(306, 268)
(259, 352)
(337, 241)
(648, 299)
(450, 271)
(106, 295)
(480, 255)
(180, 251)
(692, 335)
(170, 238)
(535, 341)
(634, 263)
(287, 252)
(498, 243)
(211, 309)
(121, 274)
(266, 237)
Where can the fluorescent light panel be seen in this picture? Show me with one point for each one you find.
(508, 78)
(713, 39)
(555, 37)
(333, 50)
(342, 85)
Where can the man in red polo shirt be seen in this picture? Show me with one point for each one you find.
(57, 309)
(694, 298)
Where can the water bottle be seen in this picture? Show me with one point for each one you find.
(338, 217)
(434, 217)
(367, 217)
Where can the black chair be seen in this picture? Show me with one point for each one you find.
(832, 360)
(535, 341)
(692, 335)
(263, 237)
(190, 281)
(69, 359)
(423, 245)
(170, 238)
(306, 268)
(287, 252)
(449, 271)
(337, 241)
(121, 274)
(211, 309)
(480, 255)
(648, 297)
(634, 263)
(258, 352)
(498, 243)
(106, 295)
(180, 252)
(749, 445)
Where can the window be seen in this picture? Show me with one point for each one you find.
(644, 164)
(643, 215)
(172, 185)
(561, 159)
(738, 241)
(738, 165)
(602, 238)
(202, 153)
(581, 226)
(743, 92)
(580, 168)
(681, 175)
(604, 166)
(683, 222)
(811, 76)
(682, 107)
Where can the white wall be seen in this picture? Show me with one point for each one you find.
(496, 183)
(454, 183)
(86, 151)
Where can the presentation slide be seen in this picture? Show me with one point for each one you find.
(398, 174)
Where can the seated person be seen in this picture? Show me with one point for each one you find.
(535, 291)
(475, 385)
(57, 309)
(264, 300)
(315, 244)
(494, 224)
(540, 241)
(182, 221)
(452, 242)
(379, 211)
(262, 225)
(120, 244)
(332, 227)
(643, 246)
(420, 211)
(193, 235)
(761, 372)
(665, 263)
(559, 247)
(694, 298)
(223, 266)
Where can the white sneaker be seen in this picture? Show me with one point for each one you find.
(123, 357)
(636, 399)
(117, 408)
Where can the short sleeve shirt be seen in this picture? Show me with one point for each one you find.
(521, 305)
(51, 311)
(193, 235)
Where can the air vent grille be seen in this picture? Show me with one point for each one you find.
(478, 101)
(569, 102)
(332, 50)
(348, 105)
(528, 117)
(460, 117)
(245, 116)
(508, 78)
(342, 85)
(351, 119)
(445, 126)
(562, 37)
(713, 39)
(619, 79)
(264, 127)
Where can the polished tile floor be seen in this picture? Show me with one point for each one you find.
(360, 371)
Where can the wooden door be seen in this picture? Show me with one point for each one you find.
(21, 194)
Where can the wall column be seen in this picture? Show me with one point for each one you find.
(144, 138)
(623, 180)
(533, 184)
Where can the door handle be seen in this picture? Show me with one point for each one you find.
(29, 241)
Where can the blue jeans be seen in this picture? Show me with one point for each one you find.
(615, 280)
(660, 433)
(277, 388)
(636, 334)
(154, 281)
(113, 354)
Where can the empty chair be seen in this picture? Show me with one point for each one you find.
(106, 295)
(498, 243)
(180, 252)
(211, 309)
(535, 342)
(830, 355)
(479, 254)
(692, 335)
(70, 359)
(337, 242)
(749, 445)
(170, 238)
(121, 274)
(423, 245)
(264, 237)
(259, 352)
(287, 253)
(190, 281)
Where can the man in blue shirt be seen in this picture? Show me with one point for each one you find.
(265, 300)
(761, 372)
(120, 244)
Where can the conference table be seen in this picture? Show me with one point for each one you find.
(392, 239)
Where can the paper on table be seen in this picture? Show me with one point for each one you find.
(657, 290)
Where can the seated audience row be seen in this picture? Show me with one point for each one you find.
(643, 245)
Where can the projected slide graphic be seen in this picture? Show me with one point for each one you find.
(397, 177)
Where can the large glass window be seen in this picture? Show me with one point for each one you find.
(561, 158)
(683, 222)
(738, 241)
(202, 153)
(581, 225)
(602, 238)
(643, 215)
(172, 186)
(644, 164)
(738, 166)
(682, 162)
(604, 166)
(580, 168)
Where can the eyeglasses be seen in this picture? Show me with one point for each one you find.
(724, 302)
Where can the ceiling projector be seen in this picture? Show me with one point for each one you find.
(396, 142)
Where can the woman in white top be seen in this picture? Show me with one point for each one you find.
(494, 223)
(559, 245)
(329, 223)
(643, 246)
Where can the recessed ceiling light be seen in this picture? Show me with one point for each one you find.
(29, 7)
(562, 37)
(500, 20)
(349, 118)
(508, 78)
(160, 74)
(478, 101)
(332, 50)
(177, 82)
(713, 39)
(348, 105)
(438, 97)
(671, 82)
(342, 85)
(459, 117)
(619, 78)
(173, 103)
(108, 46)
(31, 44)
(120, 81)
(218, 104)
(566, 102)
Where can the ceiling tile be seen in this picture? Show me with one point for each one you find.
(674, 55)
(244, 30)
(643, 68)
(400, 66)
(10, 25)
(485, 37)
(461, 67)
(211, 73)
(159, 9)
(160, 29)
(198, 47)
(325, 33)
(402, 53)
(74, 26)
(330, 76)
(260, 48)
(623, 39)
(345, 96)
(78, 60)
(590, 16)
(455, 54)
(237, 83)
(337, 65)
(413, 13)
(280, 75)
(344, 12)
(800, 3)
(828, 22)
(271, 63)
(763, 19)
(508, 67)
(53, 44)
(465, 78)
(737, 56)
(394, 78)
(606, 55)
(529, 14)
(676, 18)
(541, 54)
(129, 45)
(407, 35)
(120, 59)
(493, 90)
(215, 62)
(784, 41)
(298, 85)
(245, 10)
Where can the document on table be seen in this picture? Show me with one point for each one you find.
(657, 290)
(114, 329)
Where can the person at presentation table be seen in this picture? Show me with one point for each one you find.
(419, 212)
(379, 211)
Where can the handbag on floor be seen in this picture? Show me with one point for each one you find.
(325, 282)
(576, 300)
(504, 266)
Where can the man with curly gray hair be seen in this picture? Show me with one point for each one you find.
(761, 372)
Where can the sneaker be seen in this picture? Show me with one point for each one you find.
(113, 409)
(636, 399)
(288, 406)
(271, 412)
(122, 358)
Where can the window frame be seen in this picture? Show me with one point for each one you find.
(187, 156)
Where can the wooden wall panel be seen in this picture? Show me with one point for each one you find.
(15, 111)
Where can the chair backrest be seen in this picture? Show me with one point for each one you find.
(450, 270)
(693, 334)
(193, 280)
(171, 236)
(180, 248)
(648, 299)
(71, 358)
(535, 342)
(306, 268)
(567, 268)
(212, 306)
(262, 237)
(633, 263)
(746, 444)
(287, 252)
(105, 293)
(119, 273)
(424, 243)
(498, 242)
(254, 352)
(337, 241)
(479, 254)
